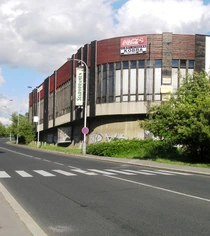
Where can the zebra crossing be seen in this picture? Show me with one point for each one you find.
(88, 172)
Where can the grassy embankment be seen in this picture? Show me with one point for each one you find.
(136, 149)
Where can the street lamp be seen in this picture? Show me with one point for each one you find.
(18, 123)
(38, 90)
(85, 108)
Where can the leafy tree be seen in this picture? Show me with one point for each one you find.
(185, 118)
(23, 128)
(2, 130)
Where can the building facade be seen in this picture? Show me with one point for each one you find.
(126, 76)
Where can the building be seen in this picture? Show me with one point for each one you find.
(126, 76)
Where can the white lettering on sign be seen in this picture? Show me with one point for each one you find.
(79, 86)
(133, 41)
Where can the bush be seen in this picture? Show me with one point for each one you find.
(149, 149)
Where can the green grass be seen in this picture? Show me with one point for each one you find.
(59, 148)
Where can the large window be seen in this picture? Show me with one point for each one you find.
(111, 82)
(136, 80)
(104, 85)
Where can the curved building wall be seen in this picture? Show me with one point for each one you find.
(126, 76)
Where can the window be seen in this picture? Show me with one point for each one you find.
(183, 63)
(191, 64)
(141, 64)
(104, 88)
(158, 63)
(111, 82)
(118, 65)
(133, 64)
(99, 85)
(175, 63)
(125, 65)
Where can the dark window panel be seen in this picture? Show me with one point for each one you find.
(133, 64)
(183, 63)
(175, 63)
(125, 65)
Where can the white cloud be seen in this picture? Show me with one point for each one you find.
(42, 34)
(157, 16)
(2, 81)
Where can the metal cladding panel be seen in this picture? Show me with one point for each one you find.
(31, 99)
(52, 83)
(63, 74)
(46, 94)
(41, 93)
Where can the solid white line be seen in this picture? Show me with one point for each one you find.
(64, 173)
(46, 160)
(102, 172)
(23, 215)
(162, 189)
(120, 172)
(156, 172)
(140, 172)
(23, 173)
(83, 172)
(3, 174)
(174, 172)
(16, 152)
(44, 173)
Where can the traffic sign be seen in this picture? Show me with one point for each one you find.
(85, 130)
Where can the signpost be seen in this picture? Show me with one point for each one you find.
(85, 130)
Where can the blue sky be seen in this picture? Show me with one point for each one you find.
(38, 36)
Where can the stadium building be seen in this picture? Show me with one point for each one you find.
(126, 76)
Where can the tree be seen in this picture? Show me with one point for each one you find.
(23, 128)
(185, 118)
(2, 130)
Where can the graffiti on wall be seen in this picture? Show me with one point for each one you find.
(64, 134)
(110, 137)
(97, 138)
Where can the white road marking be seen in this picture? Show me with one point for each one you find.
(102, 172)
(44, 173)
(58, 163)
(46, 160)
(156, 172)
(3, 174)
(64, 173)
(83, 172)
(140, 172)
(23, 173)
(159, 188)
(120, 172)
(174, 172)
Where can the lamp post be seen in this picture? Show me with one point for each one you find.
(85, 107)
(17, 141)
(18, 123)
(38, 90)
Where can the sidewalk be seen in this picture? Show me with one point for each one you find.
(12, 225)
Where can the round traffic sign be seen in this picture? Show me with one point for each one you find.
(85, 130)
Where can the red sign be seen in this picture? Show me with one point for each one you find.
(85, 130)
(133, 45)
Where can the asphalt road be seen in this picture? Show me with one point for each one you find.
(71, 196)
